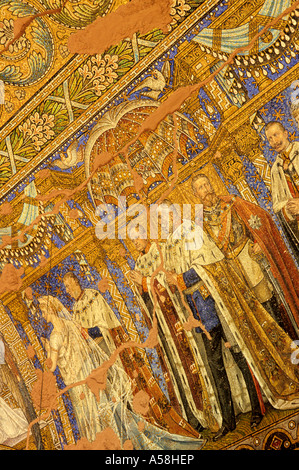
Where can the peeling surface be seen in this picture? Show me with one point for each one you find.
(191, 323)
(103, 285)
(137, 16)
(141, 403)
(105, 440)
(30, 351)
(6, 208)
(11, 279)
(172, 104)
(44, 391)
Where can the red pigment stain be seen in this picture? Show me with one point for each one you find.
(122, 252)
(105, 440)
(20, 24)
(43, 261)
(140, 403)
(48, 362)
(101, 159)
(140, 16)
(23, 238)
(28, 293)
(6, 240)
(152, 339)
(6, 208)
(103, 285)
(128, 445)
(10, 279)
(44, 390)
(169, 106)
(174, 102)
(82, 444)
(30, 351)
(96, 381)
(191, 323)
(42, 174)
(74, 214)
(138, 181)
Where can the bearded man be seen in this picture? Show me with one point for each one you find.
(234, 231)
(285, 182)
(243, 231)
(185, 251)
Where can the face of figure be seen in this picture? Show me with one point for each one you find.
(72, 288)
(139, 243)
(166, 219)
(296, 116)
(47, 310)
(277, 138)
(138, 239)
(205, 192)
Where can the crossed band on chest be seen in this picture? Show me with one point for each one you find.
(225, 227)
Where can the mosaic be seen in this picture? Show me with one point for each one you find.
(112, 338)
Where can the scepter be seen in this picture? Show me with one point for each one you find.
(265, 265)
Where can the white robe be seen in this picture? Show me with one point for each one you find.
(182, 259)
(279, 186)
(92, 310)
(77, 359)
(147, 265)
(13, 423)
(180, 255)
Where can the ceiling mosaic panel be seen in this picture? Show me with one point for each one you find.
(96, 351)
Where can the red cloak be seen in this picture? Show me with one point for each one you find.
(266, 234)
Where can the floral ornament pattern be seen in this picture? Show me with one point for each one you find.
(178, 11)
(9, 106)
(38, 129)
(20, 94)
(255, 222)
(100, 70)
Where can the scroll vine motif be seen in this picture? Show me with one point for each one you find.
(29, 58)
